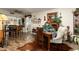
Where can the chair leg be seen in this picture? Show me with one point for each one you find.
(2, 44)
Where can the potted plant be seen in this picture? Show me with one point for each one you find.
(57, 20)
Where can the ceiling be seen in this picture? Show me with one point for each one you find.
(25, 10)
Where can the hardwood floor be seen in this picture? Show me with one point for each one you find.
(31, 47)
(15, 42)
(26, 42)
(35, 47)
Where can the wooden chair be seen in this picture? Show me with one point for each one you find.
(12, 31)
(39, 37)
(1, 37)
(57, 42)
(19, 31)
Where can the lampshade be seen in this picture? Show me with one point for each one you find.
(3, 17)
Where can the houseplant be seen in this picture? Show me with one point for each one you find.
(57, 20)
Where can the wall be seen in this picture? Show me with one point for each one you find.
(67, 16)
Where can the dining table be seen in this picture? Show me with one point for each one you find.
(48, 35)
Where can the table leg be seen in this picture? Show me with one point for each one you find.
(49, 43)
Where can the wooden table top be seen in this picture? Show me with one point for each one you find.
(49, 33)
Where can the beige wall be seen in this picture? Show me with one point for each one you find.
(67, 16)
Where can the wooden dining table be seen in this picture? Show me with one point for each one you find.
(49, 37)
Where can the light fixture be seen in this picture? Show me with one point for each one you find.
(3, 19)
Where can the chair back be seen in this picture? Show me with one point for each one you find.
(1, 35)
(39, 33)
(39, 37)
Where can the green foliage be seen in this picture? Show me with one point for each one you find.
(57, 20)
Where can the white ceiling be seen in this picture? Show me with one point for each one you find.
(26, 10)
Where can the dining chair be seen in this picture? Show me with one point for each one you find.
(19, 32)
(57, 42)
(39, 37)
(1, 37)
(12, 31)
